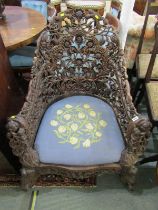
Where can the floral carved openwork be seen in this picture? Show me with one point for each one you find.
(78, 54)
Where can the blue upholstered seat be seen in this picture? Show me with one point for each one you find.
(22, 57)
(37, 5)
(79, 130)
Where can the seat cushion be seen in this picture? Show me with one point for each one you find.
(22, 57)
(55, 2)
(152, 90)
(78, 4)
(143, 63)
(79, 130)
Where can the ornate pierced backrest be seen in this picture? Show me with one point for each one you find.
(79, 53)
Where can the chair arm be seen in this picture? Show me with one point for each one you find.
(138, 132)
(17, 134)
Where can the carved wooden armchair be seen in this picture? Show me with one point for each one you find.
(78, 119)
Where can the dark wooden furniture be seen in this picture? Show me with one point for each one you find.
(21, 27)
(10, 101)
(13, 2)
(104, 77)
(142, 60)
(139, 6)
(150, 87)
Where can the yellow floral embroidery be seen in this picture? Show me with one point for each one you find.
(68, 106)
(67, 116)
(81, 115)
(73, 140)
(61, 129)
(78, 125)
(92, 113)
(86, 143)
(86, 106)
(53, 123)
(89, 126)
(59, 112)
(102, 123)
(74, 127)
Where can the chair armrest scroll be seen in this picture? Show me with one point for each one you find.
(17, 134)
(138, 132)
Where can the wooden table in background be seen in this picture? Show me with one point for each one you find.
(21, 27)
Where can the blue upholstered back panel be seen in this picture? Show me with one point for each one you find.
(39, 6)
(79, 130)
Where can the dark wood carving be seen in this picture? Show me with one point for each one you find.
(78, 54)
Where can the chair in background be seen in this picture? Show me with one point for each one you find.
(139, 6)
(78, 119)
(56, 4)
(142, 60)
(116, 6)
(96, 5)
(151, 88)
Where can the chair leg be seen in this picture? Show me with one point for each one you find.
(136, 89)
(130, 75)
(28, 178)
(128, 176)
(157, 171)
(140, 96)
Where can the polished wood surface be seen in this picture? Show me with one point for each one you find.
(10, 102)
(21, 27)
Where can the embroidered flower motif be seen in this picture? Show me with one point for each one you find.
(73, 140)
(79, 126)
(68, 106)
(102, 123)
(98, 134)
(59, 111)
(61, 129)
(89, 126)
(81, 115)
(74, 127)
(86, 143)
(53, 123)
(86, 106)
(92, 113)
(67, 116)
